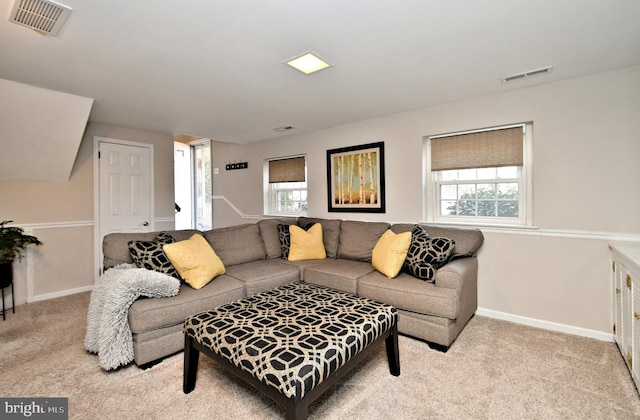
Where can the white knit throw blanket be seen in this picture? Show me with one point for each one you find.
(108, 333)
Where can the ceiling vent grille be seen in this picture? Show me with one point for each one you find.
(527, 74)
(43, 16)
(284, 128)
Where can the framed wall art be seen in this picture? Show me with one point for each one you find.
(355, 178)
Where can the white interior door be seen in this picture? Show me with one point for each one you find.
(125, 189)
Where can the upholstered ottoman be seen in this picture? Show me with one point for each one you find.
(292, 342)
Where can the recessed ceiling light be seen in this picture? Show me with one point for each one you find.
(308, 63)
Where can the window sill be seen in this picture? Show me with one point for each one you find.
(485, 226)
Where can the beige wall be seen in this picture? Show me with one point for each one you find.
(60, 213)
(585, 156)
(585, 167)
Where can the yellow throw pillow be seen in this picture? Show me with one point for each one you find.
(195, 261)
(390, 252)
(306, 244)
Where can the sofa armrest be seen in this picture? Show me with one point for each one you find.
(461, 275)
(458, 273)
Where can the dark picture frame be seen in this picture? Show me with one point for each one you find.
(355, 179)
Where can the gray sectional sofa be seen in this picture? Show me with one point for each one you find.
(252, 255)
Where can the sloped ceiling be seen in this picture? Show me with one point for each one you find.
(40, 131)
(213, 69)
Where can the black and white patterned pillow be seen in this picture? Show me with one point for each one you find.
(149, 254)
(285, 238)
(426, 254)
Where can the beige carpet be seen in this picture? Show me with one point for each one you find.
(495, 370)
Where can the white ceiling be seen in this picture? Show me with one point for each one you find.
(214, 69)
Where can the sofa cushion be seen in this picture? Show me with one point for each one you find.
(426, 254)
(468, 240)
(237, 244)
(357, 239)
(115, 247)
(269, 233)
(390, 252)
(262, 275)
(338, 274)
(150, 314)
(285, 240)
(330, 233)
(284, 234)
(301, 265)
(149, 254)
(411, 294)
(195, 260)
(306, 244)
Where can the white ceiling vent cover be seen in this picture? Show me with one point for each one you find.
(43, 16)
(527, 74)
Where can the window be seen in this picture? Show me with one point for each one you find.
(480, 177)
(286, 186)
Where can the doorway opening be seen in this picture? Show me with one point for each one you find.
(193, 184)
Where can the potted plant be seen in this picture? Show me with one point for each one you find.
(13, 242)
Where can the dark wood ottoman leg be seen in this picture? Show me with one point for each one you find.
(296, 410)
(393, 352)
(191, 355)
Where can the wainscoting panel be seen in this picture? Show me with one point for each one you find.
(64, 264)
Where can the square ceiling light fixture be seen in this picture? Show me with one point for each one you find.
(308, 63)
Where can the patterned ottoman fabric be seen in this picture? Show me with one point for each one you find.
(292, 337)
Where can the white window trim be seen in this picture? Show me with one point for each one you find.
(430, 194)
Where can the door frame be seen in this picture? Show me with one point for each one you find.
(97, 240)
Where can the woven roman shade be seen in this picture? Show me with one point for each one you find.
(287, 170)
(484, 149)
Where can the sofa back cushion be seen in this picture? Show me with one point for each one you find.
(357, 239)
(330, 233)
(115, 246)
(269, 234)
(467, 240)
(237, 244)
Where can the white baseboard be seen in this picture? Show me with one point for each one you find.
(547, 325)
(61, 293)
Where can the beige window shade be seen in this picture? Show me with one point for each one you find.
(287, 170)
(485, 149)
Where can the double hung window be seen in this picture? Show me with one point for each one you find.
(287, 186)
(480, 177)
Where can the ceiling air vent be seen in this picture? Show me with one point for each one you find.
(43, 16)
(527, 74)
(284, 128)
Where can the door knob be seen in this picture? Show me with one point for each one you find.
(145, 223)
